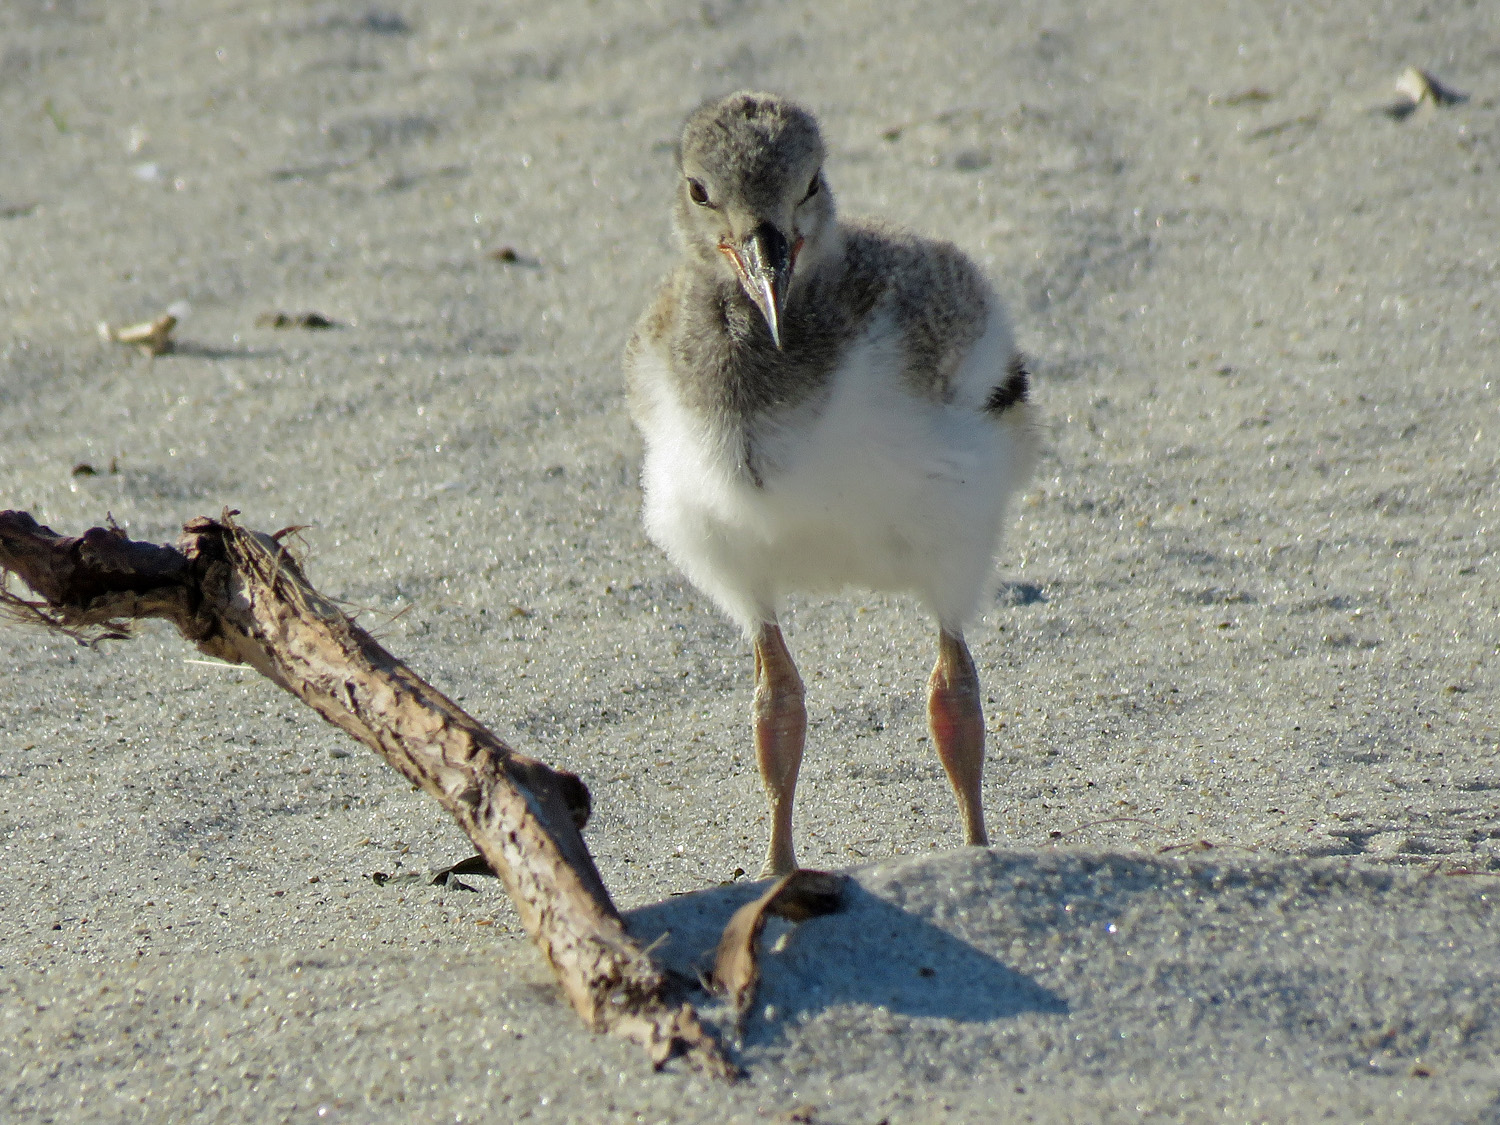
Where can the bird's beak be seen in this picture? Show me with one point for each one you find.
(764, 263)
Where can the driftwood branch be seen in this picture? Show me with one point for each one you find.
(239, 596)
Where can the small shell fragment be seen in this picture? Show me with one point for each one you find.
(152, 337)
(1415, 88)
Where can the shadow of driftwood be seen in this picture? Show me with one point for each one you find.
(871, 953)
(209, 351)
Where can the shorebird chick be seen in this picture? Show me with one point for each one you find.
(823, 404)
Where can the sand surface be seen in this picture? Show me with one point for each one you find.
(1242, 666)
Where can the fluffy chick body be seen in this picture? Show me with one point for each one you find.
(878, 446)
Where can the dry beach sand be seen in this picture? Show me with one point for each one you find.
(1242, 666)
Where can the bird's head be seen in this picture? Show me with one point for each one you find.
(751, 200)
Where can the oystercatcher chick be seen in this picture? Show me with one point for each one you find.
(824, 404)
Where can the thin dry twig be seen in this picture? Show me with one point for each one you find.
(1202, 845)
(1053, 837)
(24, 611)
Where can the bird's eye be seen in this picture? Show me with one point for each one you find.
(812, 188)
(697, 193)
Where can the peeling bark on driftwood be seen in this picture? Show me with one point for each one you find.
(239, 596)
(796, 896)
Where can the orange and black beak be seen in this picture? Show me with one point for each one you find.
(764, 263)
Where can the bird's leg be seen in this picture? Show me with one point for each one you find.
(780, 727)
(956, 719)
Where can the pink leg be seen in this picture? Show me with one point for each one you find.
(957, 722)
(780, 728)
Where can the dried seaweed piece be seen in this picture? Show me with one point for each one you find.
(1252, 96)
(510, 256)
(86, 469)
(152, 337)
(313, 321)
(798, 896)
(799, 1115)
(474, 865)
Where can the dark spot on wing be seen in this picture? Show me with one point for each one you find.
(1016, 388)
(747, 455)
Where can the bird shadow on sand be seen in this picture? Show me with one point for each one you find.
(870, 954)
